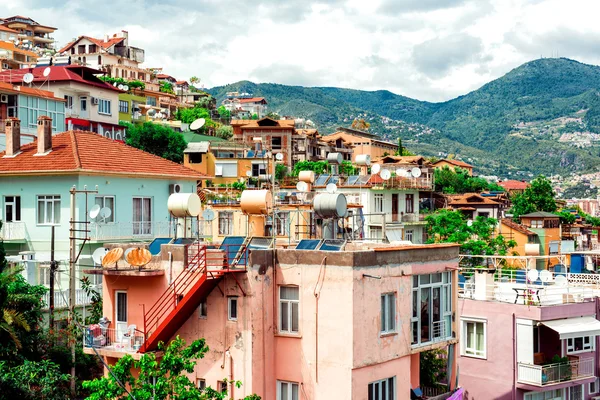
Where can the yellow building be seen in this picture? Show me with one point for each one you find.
(361, 143)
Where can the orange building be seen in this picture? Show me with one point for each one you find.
(361, 143)
(454, 164)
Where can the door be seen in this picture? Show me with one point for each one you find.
(120, 314)
(12, 208)
(395, 207)
(83, 107)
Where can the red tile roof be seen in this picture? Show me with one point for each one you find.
(513, 185)
(74, 73)
(455, 162)
(98, 42)
(517, 227)
(470, 198)
(253, 100)
(87, 152)
(6, 29)
(10, 88)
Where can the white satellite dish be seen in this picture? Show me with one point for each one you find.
(151, 112)
(561, 280)
(125, 87)
(385, 174)
(415, 172)
(94, 211)
(28, 77)
(331, 188)
(47, 71)
(120, 87)
(302, 186)
(532, 275)
(400, 172)
(197, 124)
(208, 214)
(115, 84)
(98, 255)
(375, 169)
(249, 174)
(105, 213)
(545, 275)
(470, 222)
(279, 156)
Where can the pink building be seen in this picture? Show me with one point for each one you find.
(292, 324)
(522, 341)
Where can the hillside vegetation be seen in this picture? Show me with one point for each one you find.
(542, 117)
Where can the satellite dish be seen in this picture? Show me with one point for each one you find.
(532, 275)
(105, 213)
(385, 174)
(126, 253)
(470, 222)
(208, 214)
(115, 84)
(331, 188)
(47, 71)
(99, 254)
(302, 186)
(197, 124)
(94, 211)
(561, 280)
(249, 174)
(546, 276)
(279, 156)
(112, 257)
(120, 87)
(151, 112)
(415, 172)
(28, 77)
(400, 172)
(138, 257)
(375, 169)
(125, 87)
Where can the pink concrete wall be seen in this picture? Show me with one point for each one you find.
(361, 377)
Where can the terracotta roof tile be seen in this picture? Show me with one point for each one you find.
(88, 152)
(517, 227)
(455, 162)
(99, 42)
(461, 199)
(513, 185)
(253, 100)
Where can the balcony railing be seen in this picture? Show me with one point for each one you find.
(549, 374)
(144, 230)
(13, 231)
(61, 298)
(126, 340)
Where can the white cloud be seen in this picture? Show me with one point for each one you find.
(426, 49)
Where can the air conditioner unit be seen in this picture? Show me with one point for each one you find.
(3, 98)
(5, 66)
(95, 100)
(174, 188)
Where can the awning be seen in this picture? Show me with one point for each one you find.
(393, 235)
(197, 147)
(574, 327)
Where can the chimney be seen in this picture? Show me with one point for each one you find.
(105, 38)
(13, 136)
(44, 134)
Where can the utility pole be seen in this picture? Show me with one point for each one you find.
(52, 271)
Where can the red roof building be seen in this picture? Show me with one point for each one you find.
(513, 186)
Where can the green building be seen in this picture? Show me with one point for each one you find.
(129, 110)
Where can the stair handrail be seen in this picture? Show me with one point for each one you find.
(241, 253)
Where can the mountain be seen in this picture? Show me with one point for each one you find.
(542, 117)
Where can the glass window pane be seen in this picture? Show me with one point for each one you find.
(436, 278)
(383, 316)
(391, 312)
(290, 293)
(284, 316)
(424, 279)
(391, 388)
(56, 211)
(40, 218)
(370, 391)
(294, 391)
(294, 317)
(283, 391)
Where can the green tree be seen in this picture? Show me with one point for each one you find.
(566, 217)
(254, 116)
(318, 167)
(458, 180)
(539, 196)
(224, 113)
(281, 171)
(432, 367)
(273, 115)
(346, 168)
(194, 80)
(224, 132)
(34, 380)
(166, 87)
(158, 379)
(156, 139)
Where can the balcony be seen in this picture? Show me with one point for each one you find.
(61, 298)
(549, 374)
(140, 230)
(13, 231)
(113, 342)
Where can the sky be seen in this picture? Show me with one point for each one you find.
(430, 50)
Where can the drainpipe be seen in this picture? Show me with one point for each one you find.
(231, 380)
(514, 340)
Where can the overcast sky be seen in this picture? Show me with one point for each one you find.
(426, 49)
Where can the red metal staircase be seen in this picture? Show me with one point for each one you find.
(205, 269)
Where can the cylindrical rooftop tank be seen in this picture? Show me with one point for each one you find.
(330, 205)
(532, 249)
(255, 202)
(306, 176)
(363, 159)
(334, 158)
(182, 205)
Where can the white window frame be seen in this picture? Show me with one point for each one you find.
(586, 347)
(596, 385)
(408, 235)
(385, 327)
(45, 199)
(201, 383)
(16, 206)
(203, 309)
(377, 386)
(282, 222)
(409, 204)
(104, 107)
(230, 301)
(142, 227)
(68, 102)
(473, 352)
(289, 305)
(557, 393)
(44, 275)
(570, 390)
(378, 200)
(289, 388)
(225, 223)
(431, 281)
(113, 209)
(123, 106)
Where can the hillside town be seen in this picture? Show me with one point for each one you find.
(158, 241)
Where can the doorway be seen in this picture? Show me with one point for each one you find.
(395, 207)
(120, 313)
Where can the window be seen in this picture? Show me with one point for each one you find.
(408, 235)
(483, 214)
(289, 303)
(384, 389)
(225, 223)
(44, 275)
(537, 223)
(151, 101)
(222, 386)
(201, 384)
(107, 202)
(594, 386)
(282, 221)
(259, 169)
(48, 212)
(12, 208)
(376, 232)
(410, 203)
(99, 60)
(378, 206)
(142, 216)
(431, 307)
(104, 106)
(232, 308)
(202, 309)
(474, 334)
(226, 169)
(576, 392)
(388, 312)
(123, 106)
(580, 344)
(68, 102)
(556, 394)
(195, 158)
(276, 143)
(83, 105)
(287, 390)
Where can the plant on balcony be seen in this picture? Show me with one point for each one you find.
(562, 364)
(432, 367)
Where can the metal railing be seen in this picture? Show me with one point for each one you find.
(554, 373)
(141, 230)
(127, 340)
(13, 231)
(61, 298)
(439, 331)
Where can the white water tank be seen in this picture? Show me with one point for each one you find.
(306, 176)
(183, 205)
(330, 205)
(256, 202)
(363, 159)
(335, 158)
